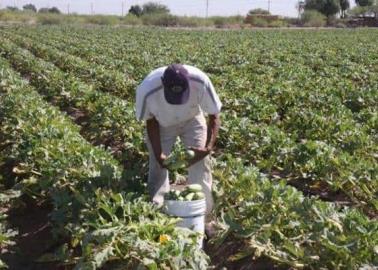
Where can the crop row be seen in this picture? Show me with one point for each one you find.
(277, 221)
(266, 128)
(272, 75)
(51, 160)
(102, 78)
(319, 53)
(105, 119)
(299, 126)
(345, 143)
(302, 231)
(6, 233)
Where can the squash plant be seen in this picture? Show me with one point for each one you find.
(54, 163)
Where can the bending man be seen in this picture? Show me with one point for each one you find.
(174, 101)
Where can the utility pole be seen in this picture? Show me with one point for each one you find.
(68, 9)
(207, 8)
(301, 5)
(92, 8)
(122, 8)
(269, 6)
(299, 9)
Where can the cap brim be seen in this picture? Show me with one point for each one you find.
(176, 98)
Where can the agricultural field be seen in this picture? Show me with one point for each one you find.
(296, 164)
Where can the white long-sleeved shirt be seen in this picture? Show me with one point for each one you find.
(150, 100)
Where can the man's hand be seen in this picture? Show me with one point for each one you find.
(160, 159)
(199, 154)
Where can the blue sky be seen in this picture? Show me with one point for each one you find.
(190, 8)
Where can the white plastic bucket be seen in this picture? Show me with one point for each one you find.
(192, 214)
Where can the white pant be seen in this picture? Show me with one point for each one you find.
(193, 133)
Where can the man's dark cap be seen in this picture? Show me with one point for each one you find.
(176, 84)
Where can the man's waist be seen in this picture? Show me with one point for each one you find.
(180, 121)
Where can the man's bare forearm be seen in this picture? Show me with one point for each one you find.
(212, 130)
(153, 133)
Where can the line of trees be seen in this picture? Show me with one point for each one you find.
(33, 8)
(327, 8)
(149, 8)
(330, 8)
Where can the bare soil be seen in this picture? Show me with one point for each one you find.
(223, 257)
(34, 237)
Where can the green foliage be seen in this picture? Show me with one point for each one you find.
(365, 10)
(54, 10)
(326, 7)
(29, 7)
(54, 161)
(45, 17)
(160, 19)
(364, 3)
(358, 11)
(130, 231)
(278, 23)
(344, 5)
(154, 8)
(136, 10)
(269, 145)
(102, 20)
(11, 8)
(219, 21)
(259, 22)
(49, 19)
(277, 221)
(186, 21)
(6, 234)
(131, 19)
(51, 157)
(10, 16)
(303, 111)
(258, 11)
(313, 18)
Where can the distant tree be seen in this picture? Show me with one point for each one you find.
(258, 11)
(364, 3)
(153, 8)
(344, 6)
(54, 10)
(313, 18)
(365, 8)
(12, 8)
(49, 10)
(136, 10)
(374, 9)
(326, 7)
(43, 10)
(29, 7)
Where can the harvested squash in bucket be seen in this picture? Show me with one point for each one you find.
(190, 193)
